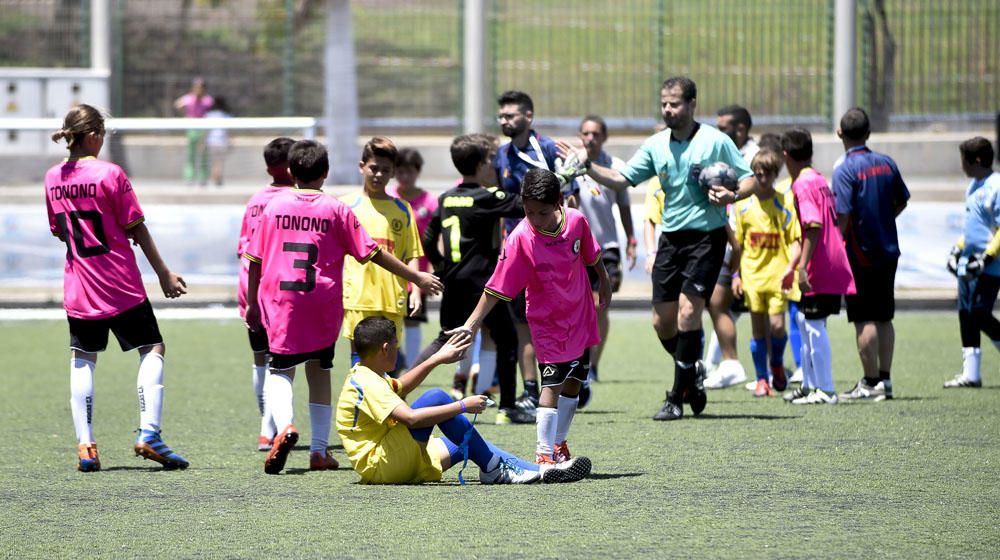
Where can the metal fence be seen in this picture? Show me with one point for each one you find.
(918, 60)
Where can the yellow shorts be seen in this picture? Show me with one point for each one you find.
(772, 303)
(400, 459)
(352, 318)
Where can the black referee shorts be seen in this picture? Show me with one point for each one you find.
(688, 261)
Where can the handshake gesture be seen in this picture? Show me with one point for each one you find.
(570, 168)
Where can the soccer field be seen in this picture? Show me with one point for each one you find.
(914, 477)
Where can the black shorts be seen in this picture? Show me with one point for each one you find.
(556, 374)
(612, 259)
(459, 300)
(258, 340)
(286, 361)
(819, 306)
(419, 317)
(978, 295)
(688, 261)
(133, 328)
(876, 297)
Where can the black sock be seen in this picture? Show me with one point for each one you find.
(669, 344)
(531, 387)
(688, 351)
(883, 374)
(872, 381)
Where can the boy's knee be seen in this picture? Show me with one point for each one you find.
(434, 397)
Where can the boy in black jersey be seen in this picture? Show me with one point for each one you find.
(468, 221)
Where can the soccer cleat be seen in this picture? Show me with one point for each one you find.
(959, 380)
(544, 458)
(561, 453)
(283, 444)
(264, 443)
(585, 395)
(778, 378)
(514, 416)
(798, 393)
(729, 373)
(89, 461)
(862, 391)
(527, 403)
(573, 470)
(696, 396)
(669, 411)
(797, 376)
(763, 389)
(150, 446)
(817, 396)
(322, 461)
(508, 472)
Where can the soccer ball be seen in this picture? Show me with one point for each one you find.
(718, 174)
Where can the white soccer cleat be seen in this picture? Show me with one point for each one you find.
(797, 376)
(507, 472)
(817, 396)
(729, 373)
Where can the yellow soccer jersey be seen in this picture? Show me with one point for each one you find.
(766, 229)
(380, 449)
(390, 222)
(654, 201)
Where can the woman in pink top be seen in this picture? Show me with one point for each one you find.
(195, 104)
(93, 209)
(408, 165)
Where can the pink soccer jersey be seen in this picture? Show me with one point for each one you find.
(828, 269)
(423, 208)
(251, 219)
(300, 243)
(91, 204)
(551, 267)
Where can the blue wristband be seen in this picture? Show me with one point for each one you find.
(462, 405)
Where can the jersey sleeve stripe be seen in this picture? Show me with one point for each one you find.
(136, 222)
(497, 295)
(596, 260)
(252, 258)
(371, 255)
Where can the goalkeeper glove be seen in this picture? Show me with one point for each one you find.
(570, 168)
(977, 263)
(952, 265)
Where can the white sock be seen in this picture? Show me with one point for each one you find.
(259, 374)
(278, 389)
(545, 422)
(319, 418)
(487, 369)
(81, 401)
(805, 351)
(567, 409)
(972, 359)
(713, 354)
(412, 343)
(821, 354)
(149, 385)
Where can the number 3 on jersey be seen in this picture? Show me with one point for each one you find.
(312, 255)
(455, 237)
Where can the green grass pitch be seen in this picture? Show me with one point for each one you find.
(914, 477)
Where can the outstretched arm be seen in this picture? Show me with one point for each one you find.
(606, 176)
(452, 351)
(483, 308)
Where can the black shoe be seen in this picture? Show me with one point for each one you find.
(584, 395)
(514, 416)
(527, 403)
(696, 395)
(670, 411)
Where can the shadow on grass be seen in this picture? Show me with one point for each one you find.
(609, 476)
(146, 469)
(306, 447)
(704, 416)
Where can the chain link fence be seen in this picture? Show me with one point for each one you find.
(918, 60)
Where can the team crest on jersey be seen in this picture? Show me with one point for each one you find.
(397, 225)
(501, 194)
(422, 212)
(576, 247)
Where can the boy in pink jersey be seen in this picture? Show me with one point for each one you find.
(546, 255)
(824, 272)
(295, 291)
(409, 162)
(276, 159)
(92, 208)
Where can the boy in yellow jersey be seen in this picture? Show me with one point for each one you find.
(769, 233)
(370, 290)
(651, 229)
(389, 441)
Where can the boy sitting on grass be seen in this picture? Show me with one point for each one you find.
(389, 441)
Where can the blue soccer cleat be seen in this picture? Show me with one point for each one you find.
(150, 446)
(89, 460)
